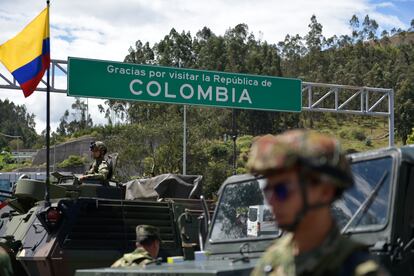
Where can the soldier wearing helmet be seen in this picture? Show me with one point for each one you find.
(6, 268)
(307, 171)
(148, 246)
(99, 170)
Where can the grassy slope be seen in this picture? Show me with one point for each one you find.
(355, 132)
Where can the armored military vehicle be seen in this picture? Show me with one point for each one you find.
(229, 247)
(91, 225)
(377, 211)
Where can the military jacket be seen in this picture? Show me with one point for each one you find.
(5, 263)
(337, 255)
(99, 170)
(139, 257)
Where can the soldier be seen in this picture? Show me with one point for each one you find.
(99, 170)
(5, 263)
(148, 246)
(305, 173)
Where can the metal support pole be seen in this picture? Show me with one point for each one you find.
(362, 100)
(47, 195)
(54, 154)
(310, 96)
(184, 133)
(234, 138)
(185, 141)
(87, 112)
(391, 118)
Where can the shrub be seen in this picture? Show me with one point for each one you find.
(410, 137)
(359, 135)
(72, 161)
(343, 134)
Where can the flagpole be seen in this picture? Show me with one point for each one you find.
(47, 196)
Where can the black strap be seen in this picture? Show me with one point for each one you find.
(306, 206)
(141, 259)
(353, 260)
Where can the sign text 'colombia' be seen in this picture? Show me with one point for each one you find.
(125, 81)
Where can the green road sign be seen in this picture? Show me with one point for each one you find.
(125, 81)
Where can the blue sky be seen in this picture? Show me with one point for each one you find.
(106, 30)
(403, 9)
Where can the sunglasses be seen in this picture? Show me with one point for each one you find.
(92, 146)
(280, 190)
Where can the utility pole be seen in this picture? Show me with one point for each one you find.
(184, 133)
(185, 141)
(234, 138)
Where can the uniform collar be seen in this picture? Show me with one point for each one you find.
(309, 260)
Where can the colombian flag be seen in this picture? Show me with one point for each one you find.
(27, 55)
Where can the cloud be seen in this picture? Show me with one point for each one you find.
(106, 29)
(385, 5)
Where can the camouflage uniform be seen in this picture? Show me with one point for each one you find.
(139, 257)
(99, 170)
(5, 263)
(337, 255)
(316, 153)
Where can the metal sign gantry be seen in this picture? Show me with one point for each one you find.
(316, 97)
(57, 68)
(366, 101)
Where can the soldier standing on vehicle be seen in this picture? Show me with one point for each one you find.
(306, 171)
(99, 170)
(148, 246)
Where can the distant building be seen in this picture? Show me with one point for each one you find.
(23, 155)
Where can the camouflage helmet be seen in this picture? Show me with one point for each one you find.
(308, 149)
(99, 145)
(145, 232)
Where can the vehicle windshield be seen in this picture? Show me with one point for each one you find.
(242, 213)
(366, 204)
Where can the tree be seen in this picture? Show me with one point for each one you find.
(141, 54)
(116, 111)
(405, 107)
(354, 23)
(5, 159)
(150, 141)
(80, 113)
(369, 29)
(175, 50)
(63, 125)
(77, 121)
(16, 144)
(314, 38)
(15, 121)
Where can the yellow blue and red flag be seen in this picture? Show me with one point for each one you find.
(27, 55)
